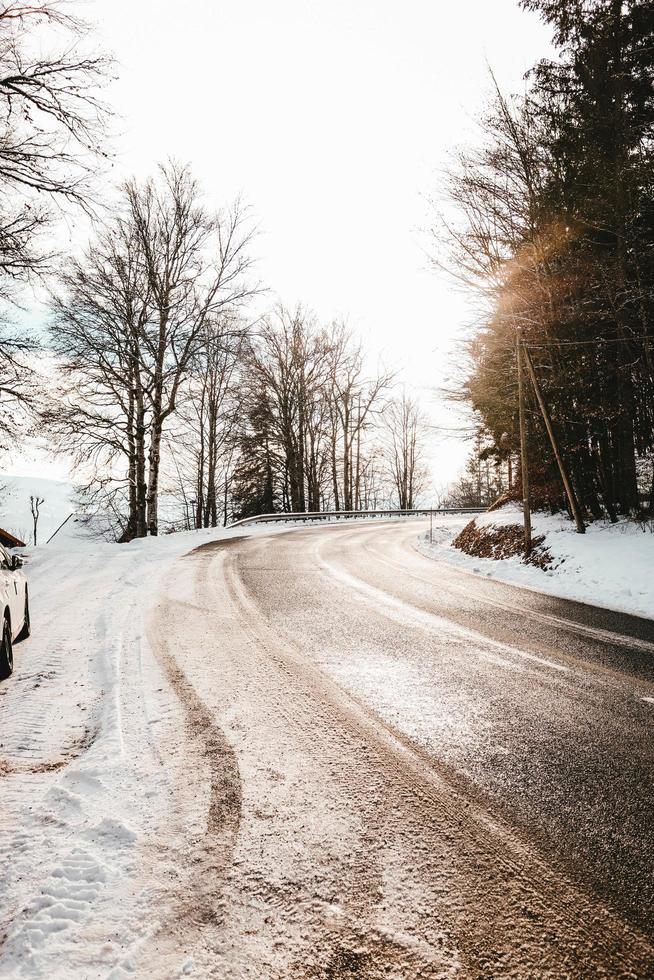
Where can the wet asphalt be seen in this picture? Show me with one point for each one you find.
(540, 710)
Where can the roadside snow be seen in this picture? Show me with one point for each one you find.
(86, 794)
(94, 787)
(611, 565)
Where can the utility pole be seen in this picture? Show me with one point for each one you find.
(524, 466)
(567, 483)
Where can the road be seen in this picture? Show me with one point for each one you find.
(413, 771)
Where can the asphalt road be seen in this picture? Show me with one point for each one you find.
(414, 771)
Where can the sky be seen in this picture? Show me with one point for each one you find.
(333, 120)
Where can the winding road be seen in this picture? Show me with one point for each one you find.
(413, 771)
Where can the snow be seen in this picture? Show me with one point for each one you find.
(90, 760)
(90, 766)
(611, 565)
(85, 791)
(15, 516)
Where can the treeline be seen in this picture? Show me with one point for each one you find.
(167, 390)
(558, 238)
(313, 437)
(180, 405)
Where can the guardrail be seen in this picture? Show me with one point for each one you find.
(317, 515)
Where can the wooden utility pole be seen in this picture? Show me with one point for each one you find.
(567, 483)
(524, 466)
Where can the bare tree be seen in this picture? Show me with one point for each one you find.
(405, 428)
(52, 133)
(286, 369)
(133, 318)
(195, 264)
(52, 120)
(19, 385)
(53, 127)
(100, 412)
(203, 443)
(311, 407)
(354, 401)
(35, 506)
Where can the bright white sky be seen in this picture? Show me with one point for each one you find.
(331, 118)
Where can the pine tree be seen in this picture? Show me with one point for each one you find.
(559, 235)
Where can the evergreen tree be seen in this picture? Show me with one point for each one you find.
(559, 234)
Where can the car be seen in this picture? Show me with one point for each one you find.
(15, 608)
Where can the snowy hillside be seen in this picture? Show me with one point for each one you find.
(58, 502)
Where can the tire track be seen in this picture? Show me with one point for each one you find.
(203, 862)
(334, 849)
(491, 869)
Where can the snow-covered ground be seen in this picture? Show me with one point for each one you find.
(61, 499)
(85, 789)
(90, 728)
(94, 783)
(58, 498)
(611, 565)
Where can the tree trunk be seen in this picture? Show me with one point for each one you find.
(141, 483)
(130, 531)
(154, 462)
(337, 505)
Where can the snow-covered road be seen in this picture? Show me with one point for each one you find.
(316, 753)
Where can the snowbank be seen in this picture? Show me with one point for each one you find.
(612, 565)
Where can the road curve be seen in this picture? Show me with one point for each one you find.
(411, 771)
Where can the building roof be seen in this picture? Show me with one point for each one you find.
(10, 540)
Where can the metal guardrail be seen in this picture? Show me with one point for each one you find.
(317, 515)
